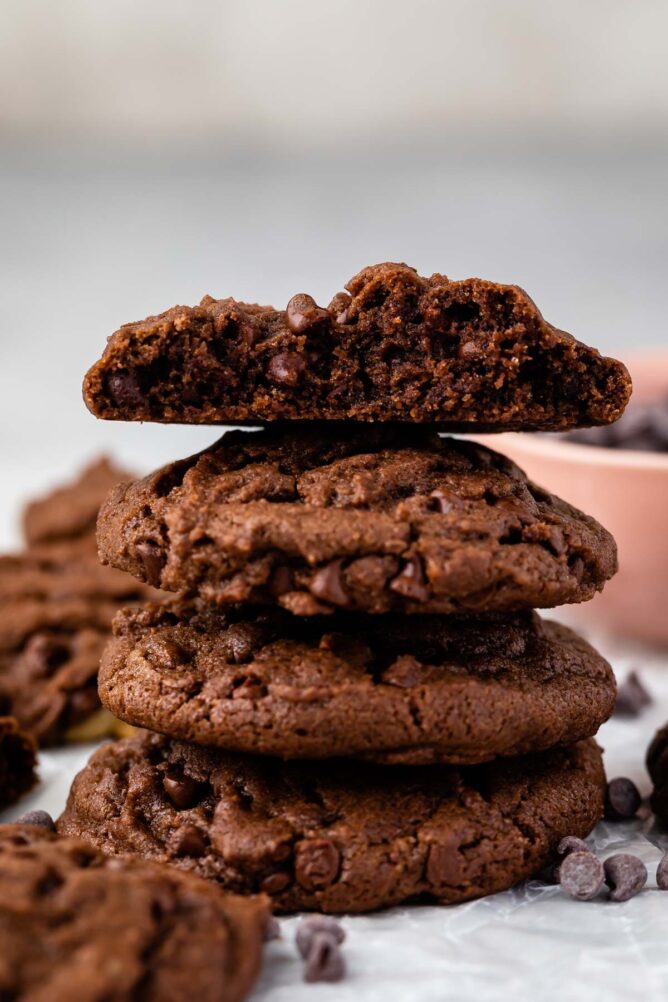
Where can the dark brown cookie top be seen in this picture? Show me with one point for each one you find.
(390, 688)
(18, 765)
(77, 925)
(70, 511)
(56, 606)
(335, 836)
(380, 518)
(470, 355)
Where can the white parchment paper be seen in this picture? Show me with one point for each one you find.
(531, 944)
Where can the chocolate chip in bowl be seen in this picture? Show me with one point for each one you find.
(621, 478)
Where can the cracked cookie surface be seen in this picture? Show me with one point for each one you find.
(390, 688)
(335, 836)
(374, 519)
(75, 924)
(467, 355)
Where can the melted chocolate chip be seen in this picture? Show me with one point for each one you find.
(182, 790)
(327, 584)
(275, 883)
(317, 863)
(190, 841)
(125, 390)
(153, 560)
(302, 312)
(286, 369)
(411, 582)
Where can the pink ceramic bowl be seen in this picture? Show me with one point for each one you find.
(627, 491)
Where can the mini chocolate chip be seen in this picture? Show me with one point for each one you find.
(153, 560)
(581, 875)
(286, 369)
(406, 672)
(445, 501)
(272, 930)
(190, 841)
(317, 863)
(411, 581)
(240, 640)
(281, 581)
(324, 961)
(182, 790)
(125, 390)
(625, 875)
(39, 818)
(165, 653)
(662, 873)
(275, 883)
(303, 312)
(571, 843)
(622, 799)
(632, 697)
(327, 584)
(340, 307)
(313, 924)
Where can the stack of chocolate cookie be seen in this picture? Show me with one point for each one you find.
(351, 701)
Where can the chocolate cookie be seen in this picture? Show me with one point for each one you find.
(470, 355)
(379, 518)
(18, 763)
(70, 511)
(75, 925)
(657, 767)
(56, 607)
(335, 836)
(391, 688)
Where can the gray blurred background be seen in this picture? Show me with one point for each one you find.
(158, 151)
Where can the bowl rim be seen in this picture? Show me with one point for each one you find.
(582, 454)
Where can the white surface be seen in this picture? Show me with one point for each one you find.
(532, 944)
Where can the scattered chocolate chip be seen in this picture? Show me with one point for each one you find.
(272, 930)
(190, 841)
(581, 875)
(324, 961)
(153, 560)
(317, 863)
(327, 584)
(622, 799)
(303, 312)
(39, 818)
(625, 875)
(571, 843)
(125, 390)
(411, 581)
(657, 756)
(286, 369)
(314, 924)
(182, 790)
(632, 697)
(275, 883)
(662, 873)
